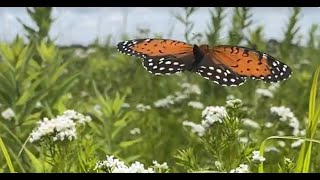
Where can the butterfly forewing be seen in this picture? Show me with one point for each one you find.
(160, 56)
(248, 62)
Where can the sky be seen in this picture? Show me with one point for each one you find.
(81, 25)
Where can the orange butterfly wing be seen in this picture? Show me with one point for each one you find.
(161, 56)
(248, 62)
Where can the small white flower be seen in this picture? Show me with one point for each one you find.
(295, 124)
(196, 104)
(80, 53)
(135, 131)
(256, 157)
(250, 123)
(229, 97)
(38, 104)
(166, 102)
(195, 128)
(268, 124)
(91, 50)
(233, 103)
(287, 160)
(142, 107)
(281, 133)
(281, 143)
(190, 88)
(273, 87)
(243, 168)
(303, 132)
(125, 105)
(97, 108)
(212, 114)
(8, 114)
(136, 167)
(180, 97)
(121, 169)
(83, 94)
(264, 93)
(218, 164)
(244, 139)
(297, 143)
(160, 166)
(283, 112)
(114, 165)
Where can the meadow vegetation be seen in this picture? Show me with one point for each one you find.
(71, 109)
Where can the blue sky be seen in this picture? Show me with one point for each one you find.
(81, 25)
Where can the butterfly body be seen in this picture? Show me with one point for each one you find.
(224, 64)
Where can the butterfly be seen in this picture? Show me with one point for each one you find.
(225, 65)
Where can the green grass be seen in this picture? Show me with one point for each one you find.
(136, 116)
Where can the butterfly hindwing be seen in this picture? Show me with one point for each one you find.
(218, 73)
(160, 56)
(251, 63)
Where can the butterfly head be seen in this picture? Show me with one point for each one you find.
(204, 48)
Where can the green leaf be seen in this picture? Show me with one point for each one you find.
(6, 155)
(126, 144)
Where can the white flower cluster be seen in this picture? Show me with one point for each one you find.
(59, 128)
(297, 143)
(196, 105)
(142, 107)
(212, 114)
(135, 131)
(243, 168)
(187, 90)
(8, 114)
(114, 165)
(166, 102)
(256, 157)
(190, 88)
(286, 115)
(195, 128)
(264, 93)
(250, 123)
(231, 103)
(125, 105)
(267, 92)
